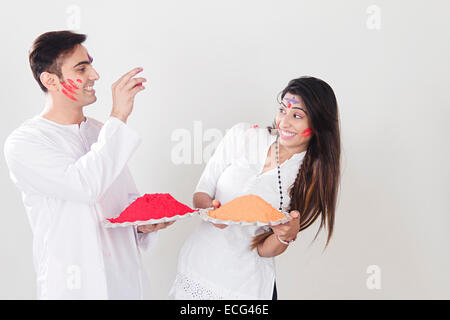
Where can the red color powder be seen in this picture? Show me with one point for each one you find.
(68, 88)
(289, 105)
(152, 206)
(307, 132)
(68, 95)
(72, 83)
(79, 80)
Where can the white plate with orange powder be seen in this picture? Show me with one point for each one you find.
(245, 210)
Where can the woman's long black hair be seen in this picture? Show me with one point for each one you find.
(314, 192)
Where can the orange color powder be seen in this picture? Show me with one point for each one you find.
(249, 208)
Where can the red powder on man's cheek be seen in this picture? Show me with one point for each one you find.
(68, 88)
(152, 206)
(72, 83)
(68, 95)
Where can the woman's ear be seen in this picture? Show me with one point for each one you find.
(50, 81)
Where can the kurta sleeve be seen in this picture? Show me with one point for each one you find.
(39, 167)
(221, 159)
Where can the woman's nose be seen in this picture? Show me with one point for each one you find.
(284, 123)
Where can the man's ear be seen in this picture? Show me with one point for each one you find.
(50, 81)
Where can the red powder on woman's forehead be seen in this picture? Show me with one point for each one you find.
(152, 206)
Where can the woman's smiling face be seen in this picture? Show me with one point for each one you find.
(293, 123)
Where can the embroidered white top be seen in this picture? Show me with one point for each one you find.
(217, 263)
(72, 178)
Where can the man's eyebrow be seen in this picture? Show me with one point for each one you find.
(81, 63)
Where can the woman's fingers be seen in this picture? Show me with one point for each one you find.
(290, 228)
(295, 214)
(216, 204)
(220, 226)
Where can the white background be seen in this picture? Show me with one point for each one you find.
(224, 62)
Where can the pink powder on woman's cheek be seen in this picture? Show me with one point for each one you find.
(307, 132)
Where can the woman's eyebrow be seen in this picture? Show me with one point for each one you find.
(285, 106)
(300, 109)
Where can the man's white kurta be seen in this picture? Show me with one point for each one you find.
(72, 178)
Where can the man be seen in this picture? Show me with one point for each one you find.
(72, 173)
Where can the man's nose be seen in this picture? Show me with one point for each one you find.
(94, 75)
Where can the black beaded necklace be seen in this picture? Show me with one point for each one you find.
(279, 173)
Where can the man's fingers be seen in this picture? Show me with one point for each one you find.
(136, 89)
(134, 82)
(127, 76)
(146, 228)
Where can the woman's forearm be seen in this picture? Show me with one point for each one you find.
(271, 247)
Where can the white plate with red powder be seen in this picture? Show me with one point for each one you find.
(151, 209)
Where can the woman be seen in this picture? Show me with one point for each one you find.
(294, 165)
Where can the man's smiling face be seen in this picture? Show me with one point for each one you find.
(79, 77)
